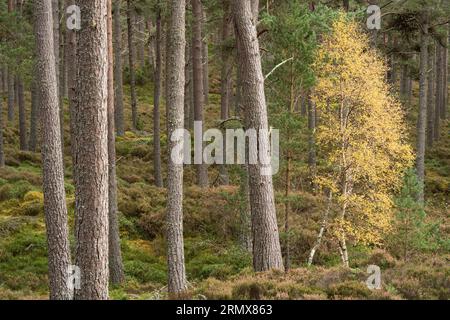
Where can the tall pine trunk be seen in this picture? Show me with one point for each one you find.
(225, 80)
(438, 88)
(197, 48)
(115, 254)
(422, 118)
(22, 115)
(430, 97)
(34, 117)
(52, 163)
(175, 92)
(11, 96)
(2, 149)
(118, 99)
(266, 243)
(91, 134)
(156, 104)
(131, 57)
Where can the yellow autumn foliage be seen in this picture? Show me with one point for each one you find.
(361, 135)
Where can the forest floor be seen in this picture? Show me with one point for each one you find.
(217, 267)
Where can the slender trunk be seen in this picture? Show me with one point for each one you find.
(11, 96)
(118, 99)
(175, 92)
(312, 141)
(187, 84)
(2, 152)
(445, 77)
(4, 79)
(322, 230)
(141, 41)
(266, 242)
(115, 254)
(430, 98)
(22, 116)
(61, 79)
(52, 163)
(205, 59)
(201, 169)
(437, 106)
(131, 57)
(32, 144)
(422, 119)
(56, 17)
(156, 105)
(404, 81)
(72, 70)
(91, 132)
(225, 80)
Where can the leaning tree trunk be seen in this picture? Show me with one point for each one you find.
(430, 98)
(91, 134)
(156, 104)
(422, 119)
(175, 92)
(131, 57)
(22, 116)
(266, 243)
(118, 109)
(201, 169)
(32, 142)
(115, 254)
(52, 163)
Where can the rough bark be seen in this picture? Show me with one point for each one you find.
(22, 116)
(156, 104)
(201, 169)
(422, 118)
(91, 134)
(131, 57)
(118, 99)
(175, 92)
(266, 243)
(56, 17)
(52, 163)
(115, 254)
